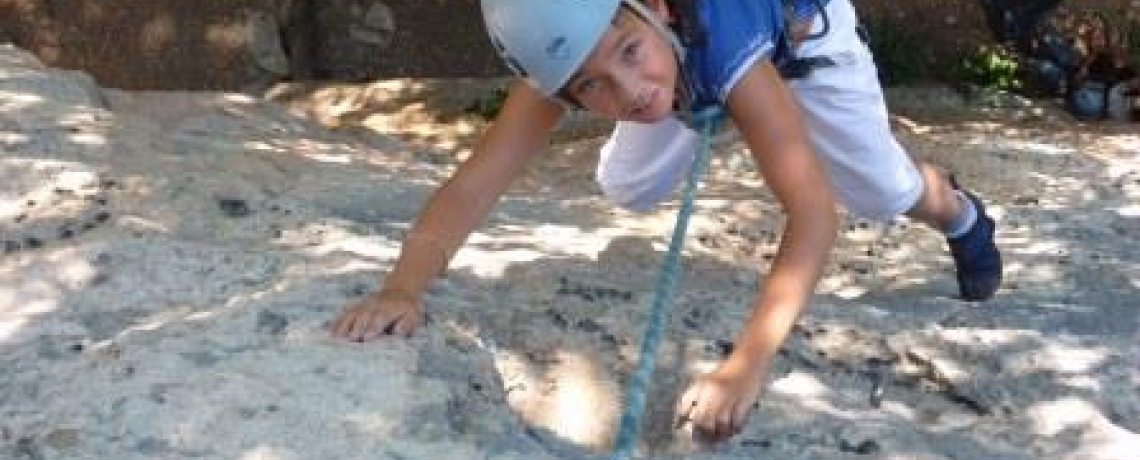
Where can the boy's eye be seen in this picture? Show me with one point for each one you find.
(586, 85)
(630, 51)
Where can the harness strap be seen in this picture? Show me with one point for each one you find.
(790, 66)
(687, 24)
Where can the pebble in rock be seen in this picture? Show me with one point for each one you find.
(234, 207)
(271, 323)
(866, 447)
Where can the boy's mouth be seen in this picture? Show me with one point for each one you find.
(644, 103)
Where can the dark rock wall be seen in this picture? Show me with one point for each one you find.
(238, 44)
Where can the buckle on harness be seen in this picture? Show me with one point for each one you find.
(800, 68)
(795, 68)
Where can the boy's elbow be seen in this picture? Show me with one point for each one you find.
(831, 225)
(826, 218)
(821, 215)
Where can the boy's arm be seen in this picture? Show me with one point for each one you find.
(520, 130)
(768, 117)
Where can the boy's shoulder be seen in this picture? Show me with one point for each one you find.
(736, 32)
(740, 12)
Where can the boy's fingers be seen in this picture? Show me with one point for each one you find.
(337, 326)
(724, 428)
(368, 325)
(705, 434)
(704, 420)
(406, 324)
(705, 417)
(345, 325)
(356, 327)
(361, 324)
(713, 418)
(379, 324)
(740, 416)
(685, 406)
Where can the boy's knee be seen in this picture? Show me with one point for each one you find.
(883, 201)
(881, 210)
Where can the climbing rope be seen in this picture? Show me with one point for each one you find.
(706, 120)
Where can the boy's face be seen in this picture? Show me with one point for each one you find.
(630, 75)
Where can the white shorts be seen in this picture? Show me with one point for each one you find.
(846, 120)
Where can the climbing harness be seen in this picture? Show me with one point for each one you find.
(686, 24)
(790, 66)
(707, 119)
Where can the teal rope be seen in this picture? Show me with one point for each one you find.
(707, 120)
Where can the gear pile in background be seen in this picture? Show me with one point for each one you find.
(1083, 56)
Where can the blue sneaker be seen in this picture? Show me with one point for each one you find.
(976, 257)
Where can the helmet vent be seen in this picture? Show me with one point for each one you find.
(557, 48)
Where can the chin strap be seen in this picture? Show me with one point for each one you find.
(650, 17)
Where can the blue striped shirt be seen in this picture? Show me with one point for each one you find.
(738, 33)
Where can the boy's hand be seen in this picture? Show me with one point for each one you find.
(379, 313)
(717, 404)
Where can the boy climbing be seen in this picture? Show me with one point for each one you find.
(799, 85)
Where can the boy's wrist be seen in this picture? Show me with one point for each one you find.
(753, 360)
(765, 332)
(399, 292)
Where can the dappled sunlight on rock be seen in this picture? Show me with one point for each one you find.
(16, 101)
(356, 247)
(803, 386)
(1035, 147)
(24, 298)
(265, 452)
(170, 264)
(1069, 359)
(1053, 417)
(580, 401)
(490, 255)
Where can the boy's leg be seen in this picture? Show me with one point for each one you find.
(969, 230)
(971, 239)
(848, 124)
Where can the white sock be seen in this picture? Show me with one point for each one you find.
(966, 217)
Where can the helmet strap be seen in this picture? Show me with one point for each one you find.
(651, 18)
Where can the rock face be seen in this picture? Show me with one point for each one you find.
(245, 44)
(169, 262)
(242, 44)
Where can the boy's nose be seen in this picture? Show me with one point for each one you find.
(629, 94)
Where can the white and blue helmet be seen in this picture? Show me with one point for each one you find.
(545, 41)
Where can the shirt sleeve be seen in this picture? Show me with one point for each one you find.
(739, 33)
